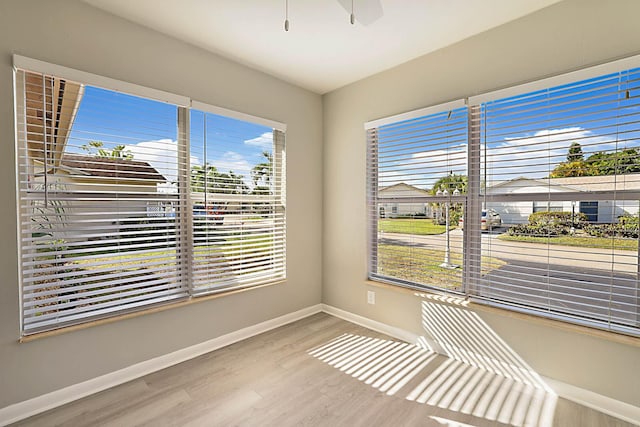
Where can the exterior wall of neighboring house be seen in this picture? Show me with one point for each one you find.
(393, 210)
(396, 209)
(517, 212)
(512, 213)
(609, 212)
(106, 216)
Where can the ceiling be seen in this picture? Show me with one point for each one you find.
(321, 51)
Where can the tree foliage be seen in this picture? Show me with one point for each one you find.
(575, 153)
(202, 177)
(97, 148)
(261, 174)
(206, 178)
(575, 168)
(450, 183)
(600, 163)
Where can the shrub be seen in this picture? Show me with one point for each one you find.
(627, 227)
(558, 218)
(538, 230)
(629, 221)
(454, 217)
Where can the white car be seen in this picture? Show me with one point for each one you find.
(490, 219)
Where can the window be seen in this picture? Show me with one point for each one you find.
(558, 162)
(414, 163)
(590, 210)
(237, 194)
(128, 201)
(539, 206)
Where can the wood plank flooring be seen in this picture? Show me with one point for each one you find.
(323, 371)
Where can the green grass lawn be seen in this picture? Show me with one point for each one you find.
(421, 265)
(139, 260)
(581, 241)
(410, 226)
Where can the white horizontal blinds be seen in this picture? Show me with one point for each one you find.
(417, 174)
(97, 172)
(569, 155)
(237, 195)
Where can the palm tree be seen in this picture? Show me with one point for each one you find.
(231, 183)
(120, 152)
(262, 172)
(203, 176)
(96, 148)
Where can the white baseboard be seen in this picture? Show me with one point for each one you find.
(36, 405)
(374, 325)
(604, 404)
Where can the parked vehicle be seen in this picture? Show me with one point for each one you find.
(489, 220)
(210, 213)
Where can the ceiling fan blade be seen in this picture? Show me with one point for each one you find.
(366, 11)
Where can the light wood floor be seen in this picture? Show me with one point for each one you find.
(323, 371)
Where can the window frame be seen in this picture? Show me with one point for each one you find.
(184, 228)
(374, 185)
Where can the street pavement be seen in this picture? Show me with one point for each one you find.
(567, 279)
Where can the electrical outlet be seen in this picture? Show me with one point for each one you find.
(371, 297)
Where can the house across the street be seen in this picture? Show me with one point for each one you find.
(584, 195)
(394, 209)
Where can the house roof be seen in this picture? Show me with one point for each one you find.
(110, 167)
(403, 187)
(63, 100)
(602, 182)
(523, 183)
(578, 183)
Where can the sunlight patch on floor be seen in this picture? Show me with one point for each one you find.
(482, 376)
(385, 365)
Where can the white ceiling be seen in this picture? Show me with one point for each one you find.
(322, 51)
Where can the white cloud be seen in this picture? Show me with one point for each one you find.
(422, 169)
(535, 156)
(232, 161)
(531, 155)
(264, 141)
(161, 154)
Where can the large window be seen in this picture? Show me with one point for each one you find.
(127, 201)
(549, 221)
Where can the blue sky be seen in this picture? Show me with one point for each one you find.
(148, 129)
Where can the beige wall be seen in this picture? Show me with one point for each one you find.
(75, 35)
(563, 37)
